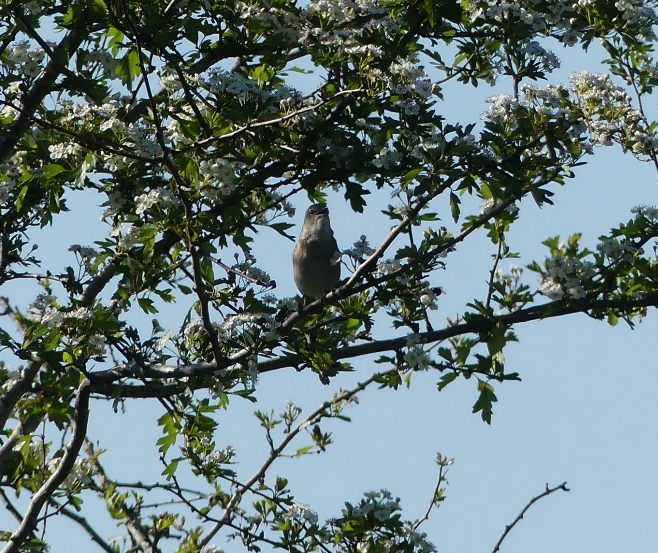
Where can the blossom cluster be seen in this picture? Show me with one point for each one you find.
(29, 61)
(245, 328)
(617, 252)
(381, 507)
(222, 456)
(416, 357)
(159, 197)
(218, 177)
(341, 37)
(506, 11)
(427, 146)
(87, 255)
(594, 111)
(648, 212)
(301, 513)
(243, 88)
(638, 14)
(609, 115)
(566, 277)
(103, 60)
(45, 310)
(546, 59)
(512, 279)
(360, 250)
(9, 171)
(565, 19)
(489, 204)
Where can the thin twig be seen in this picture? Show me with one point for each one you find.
(270, 122)
(10, 506)
(492, 276)
(229, 269)
(508, 528)
(433, 502)
(85, 525)
(138, 534)
(311, 419)
(652, 153)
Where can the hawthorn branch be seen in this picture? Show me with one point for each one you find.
(21, 429)
(9, 399)
(443, 465)
(103, 381)
(79, 430)
(43, 86)
(548, 491)
(136, 531)
(271, 122)
(492, 274)
(84, 140)
(82, 521)
(276, 453)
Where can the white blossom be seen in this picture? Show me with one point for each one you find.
(302, 513)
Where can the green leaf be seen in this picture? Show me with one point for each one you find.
(446, 379)
(454, 206)
(281, 228)
(170, 470)
(20, 199)
(51, 170)
(147, 305)
(303, 451)
(410, 176)
(354, 194)
(128, 67)
(485, 401)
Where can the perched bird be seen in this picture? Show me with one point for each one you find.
(315, 261)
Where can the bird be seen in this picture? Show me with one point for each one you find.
(315, 261)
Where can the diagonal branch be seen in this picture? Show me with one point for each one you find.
(79, 430)
(43, 86)
(21, 429)
(9, 399)
(548, 491)
(271, 122)
(82, 521)
(137, 532)
(276, 453)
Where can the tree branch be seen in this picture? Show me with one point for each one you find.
(138, 534)
(82, 521)
(437, 496)
(316, 415)
(9, 400)
(79, 430)
(21, 429)
(43, 86)
(103, 380)
(508, 528)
